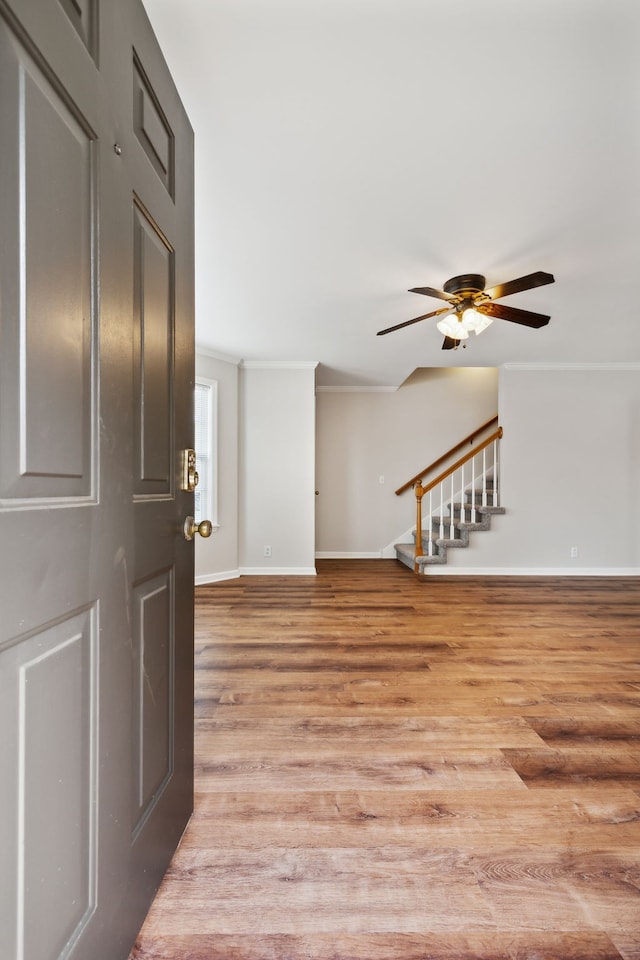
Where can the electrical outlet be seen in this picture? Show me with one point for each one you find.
(267, 550)
(573, 553)
(381, 478)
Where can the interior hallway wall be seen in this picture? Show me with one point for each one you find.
(570, 466)
(363, 436)
(570, 473)
(277, 468)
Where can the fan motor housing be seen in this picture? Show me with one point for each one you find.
(465, 283)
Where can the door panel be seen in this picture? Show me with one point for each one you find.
(46, 446)
(53, 671)
(58, 761)
(55, 329)
(154, 284)
(152, 127)
(83, 16)
(96, 376)
(153, 698)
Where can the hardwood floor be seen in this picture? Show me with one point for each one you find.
(394, 768)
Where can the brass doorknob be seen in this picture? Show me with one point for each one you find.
(190, 528)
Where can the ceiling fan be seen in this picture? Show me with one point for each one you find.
(472, 307)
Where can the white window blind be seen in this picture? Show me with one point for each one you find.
(205, 443)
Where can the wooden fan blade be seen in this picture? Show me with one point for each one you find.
(432, 292)
(449, 343)
(526, 317)
(522, 283)
(425, 316)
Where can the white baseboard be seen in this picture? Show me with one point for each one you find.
(448, 570)
(278, 571)
(445, 570)
(204, 578)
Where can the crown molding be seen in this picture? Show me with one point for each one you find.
(215, 355)
(279, 364)
(356, 389)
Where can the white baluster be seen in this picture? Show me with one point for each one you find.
(484, 477)
(496, 474)
(452, 531)
(441, 533)
(473, 489)
(430, 527)
(463, 514)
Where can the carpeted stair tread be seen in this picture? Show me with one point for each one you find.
(405, 552)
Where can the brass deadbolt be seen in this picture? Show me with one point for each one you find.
(190, 476)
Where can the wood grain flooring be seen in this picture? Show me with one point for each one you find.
(396, 768)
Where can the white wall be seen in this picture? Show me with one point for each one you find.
(570, 474)
(217, 557)
(570, 466)
(277, 467)
(364, 435)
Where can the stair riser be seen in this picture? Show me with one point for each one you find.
(405, 552)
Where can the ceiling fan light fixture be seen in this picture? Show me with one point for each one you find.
(471, 305)
(452, 326)
(476, 321)
(470, 318)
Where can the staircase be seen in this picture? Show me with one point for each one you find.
(450, 531)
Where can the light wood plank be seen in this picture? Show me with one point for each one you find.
(398, 946)
(394, 768)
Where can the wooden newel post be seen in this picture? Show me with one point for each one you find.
(419, 492)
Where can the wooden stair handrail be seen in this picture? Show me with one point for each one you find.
(445, 457)
(420, 491)
(496, 435)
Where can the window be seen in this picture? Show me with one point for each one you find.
(206, 428)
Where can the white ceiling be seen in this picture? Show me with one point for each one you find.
(347, 150)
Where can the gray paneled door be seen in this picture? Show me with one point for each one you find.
(96, 377)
